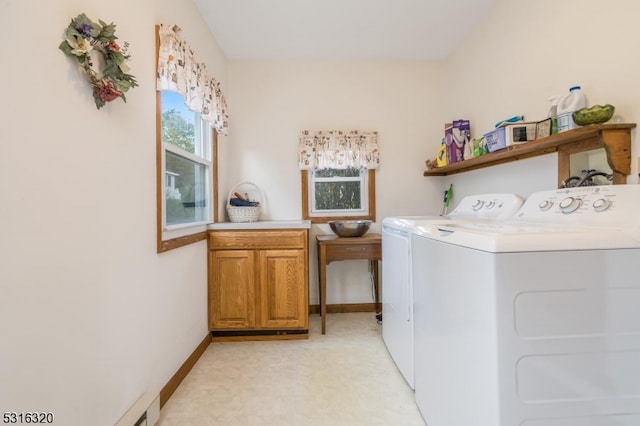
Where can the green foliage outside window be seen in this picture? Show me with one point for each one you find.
(340, 194)
(329, 173)
(178, 131)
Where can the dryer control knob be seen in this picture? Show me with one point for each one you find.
(601, 204)
(477, 205)
(570, 204)
(545, 205)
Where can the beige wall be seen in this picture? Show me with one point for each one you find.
(525, 52)
(272, 101)
(90, 316)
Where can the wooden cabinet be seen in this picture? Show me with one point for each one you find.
(614, 138)
(258, 284)
(232, 295)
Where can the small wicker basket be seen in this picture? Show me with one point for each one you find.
(244, 213)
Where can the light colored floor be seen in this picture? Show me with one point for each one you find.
(345, 377)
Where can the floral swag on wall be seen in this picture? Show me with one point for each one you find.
(101, 58)
(179, 70)
(338, 149)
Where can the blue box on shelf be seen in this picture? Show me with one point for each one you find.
(496, 139)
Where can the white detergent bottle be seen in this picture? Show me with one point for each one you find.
(567, 105)
(553, 113)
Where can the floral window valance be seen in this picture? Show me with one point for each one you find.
(337, 149)
(180, 71)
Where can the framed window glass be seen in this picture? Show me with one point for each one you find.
(186, 199)
(186, 149)
(330, 194)
(338, 192)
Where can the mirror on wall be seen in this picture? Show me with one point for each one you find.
(590, 167)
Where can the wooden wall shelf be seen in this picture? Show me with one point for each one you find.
(614, 138)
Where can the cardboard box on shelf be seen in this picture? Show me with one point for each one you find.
(456, 135)
(510, 134)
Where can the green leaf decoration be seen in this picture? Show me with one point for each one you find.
(84, 37)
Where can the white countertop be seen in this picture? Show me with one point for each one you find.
(262, 224)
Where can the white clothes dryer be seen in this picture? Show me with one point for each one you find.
(397, 288)
(533, 320)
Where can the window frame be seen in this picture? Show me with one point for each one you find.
(190, 233)
(306, 181)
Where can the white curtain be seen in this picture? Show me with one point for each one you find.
(338, 149)
(179, 70)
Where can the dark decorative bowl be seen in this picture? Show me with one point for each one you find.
(350, 228)
(594, 115)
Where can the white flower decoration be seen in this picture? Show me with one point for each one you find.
(79, 45)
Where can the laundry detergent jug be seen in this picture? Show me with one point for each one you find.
(569, 103)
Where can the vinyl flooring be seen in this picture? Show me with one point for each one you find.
(345, 377)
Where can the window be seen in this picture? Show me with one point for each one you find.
(189, 104)
(336, 191)
(330, 194)
(338, 174)
(186, 178)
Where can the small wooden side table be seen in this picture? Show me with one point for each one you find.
(332, 248)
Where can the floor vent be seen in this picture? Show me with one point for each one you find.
(145, 412)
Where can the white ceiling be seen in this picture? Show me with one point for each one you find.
(341, 29)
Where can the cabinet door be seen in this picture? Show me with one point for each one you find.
(283, 290)
(232, 292)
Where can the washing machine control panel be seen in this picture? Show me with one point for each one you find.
(570, 204)
(602, 204)
(490, 206)
(597, 205)
(477, 205)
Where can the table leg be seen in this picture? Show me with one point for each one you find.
(322, 283)
(376, 286)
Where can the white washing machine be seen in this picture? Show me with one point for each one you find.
(532, 321)
(397, 288)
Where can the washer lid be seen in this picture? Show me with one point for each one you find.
(513, 236)
(481, 206)
(407, 223)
